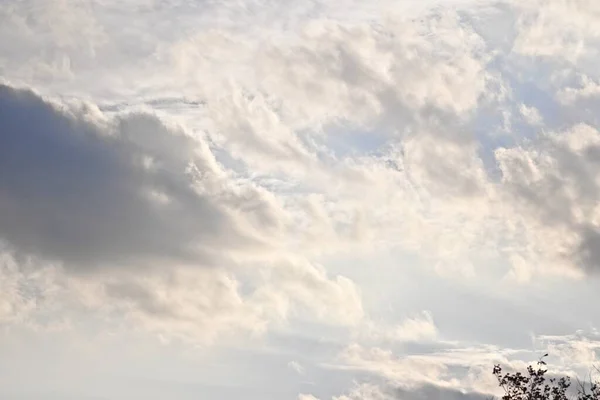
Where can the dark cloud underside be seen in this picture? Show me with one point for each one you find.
(75, 191)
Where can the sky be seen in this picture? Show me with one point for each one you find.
(303, 200)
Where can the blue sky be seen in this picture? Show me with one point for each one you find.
(300, 200)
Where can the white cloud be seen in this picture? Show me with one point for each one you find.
(531, 115)
(15, 303)
(419, 82)
(588, 88)
(229, 170)
(366, 392)
(553, 187)
(297, 367)
(578, 351)
(412, 329)
(455, 367)
(565, 29)
(80, 199)
(335, 301)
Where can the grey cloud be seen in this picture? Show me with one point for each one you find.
(432, 392)
(556, 184)
(588, 252)
(423, 392)
(87, 193)
(143, 298)
(103, 196)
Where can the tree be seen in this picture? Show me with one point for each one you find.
(534, 385)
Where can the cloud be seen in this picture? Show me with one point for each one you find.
(297, 367)
(578, 351)
(147, 224)
(449, 370)
(85, 191)
(412, 82)
(531, 115)
(420, 328)
(554, 187)
(208, 305)
(334, 301)
(431, 392)
(221, 172)
(15, 303)
(587, 88)
(427, 392)
(539, 34)
(370, 76)
(414, 89)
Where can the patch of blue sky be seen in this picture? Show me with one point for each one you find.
(276, 182)
(345, 141)
(503, 125)
(495, 130)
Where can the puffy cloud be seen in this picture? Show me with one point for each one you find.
(203, 306)
(531, 115)
(146, 223)
(332, 301)
(553, 186)
(294, 145)
(404, 76)
(22, 288)
(87, 191)
(419, 328)
(363, 71)
(540, 34)
(196, 306)
(226, 156)
(587, 88)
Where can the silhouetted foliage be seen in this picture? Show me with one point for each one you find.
(534, 385)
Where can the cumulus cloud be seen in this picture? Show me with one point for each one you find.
(406, 78)
(531, 115)
(261, 178)
(540, 35)
(146, 222)
(221, 174)
(554, 186)
(578, 351)
(419, 328)
(88, 192)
